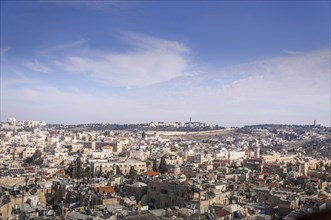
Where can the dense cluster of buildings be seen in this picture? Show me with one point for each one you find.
(245, 173)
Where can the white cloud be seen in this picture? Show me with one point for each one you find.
(36, 66)
(150, 61)
(291, 89)
(44, 102)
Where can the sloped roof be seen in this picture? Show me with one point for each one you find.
(222, 213)
(151, 173)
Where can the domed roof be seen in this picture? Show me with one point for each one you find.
(139, 184)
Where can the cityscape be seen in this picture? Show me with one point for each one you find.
(165, 110)
(163, 170)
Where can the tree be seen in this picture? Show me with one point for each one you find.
(100, 170)
(132, 173)
(35, 158)
(79, 168)
(163, 165)
(155, 165)
(70, 170)
(148, 163)
(108, 174)
(173, 149)
(69, 148)
(118, 170)
(321, 164)
(86, 173)
(75, 169)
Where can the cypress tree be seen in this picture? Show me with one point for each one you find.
(163, 166)
(118, 170)
(155, 165)
(132, 173)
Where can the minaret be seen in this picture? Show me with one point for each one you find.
(257, 149)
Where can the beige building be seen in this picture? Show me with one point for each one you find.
(28, 152)
(271, 158)
(169, 193)
(105, 167)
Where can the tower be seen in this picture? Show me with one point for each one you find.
(303, 168)
(257, 149)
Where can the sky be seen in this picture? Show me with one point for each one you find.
(230, 63)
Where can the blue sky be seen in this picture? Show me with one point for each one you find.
(226, 63)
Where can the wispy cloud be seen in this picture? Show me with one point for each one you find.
(89, 4)
(4, 50)
(291, 51)
(36, 66)
(62, 47)
(150, 60)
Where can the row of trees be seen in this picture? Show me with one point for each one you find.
(76, 170)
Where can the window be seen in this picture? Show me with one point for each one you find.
(164, 191)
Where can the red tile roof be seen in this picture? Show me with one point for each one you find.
(151, 173)
(106, 189)
(222, 213)
(315, 179)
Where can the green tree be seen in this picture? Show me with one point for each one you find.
(100, 170)
(70, 170)
(79, 168)
(75, 169)
(35, 158)
(155, 165)
(69, 148)
(118, 170)
(163, 165)
(108, 174)
(37, 154)
(173, 149)
(148, 163)
(133, 173)
(87, 172)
